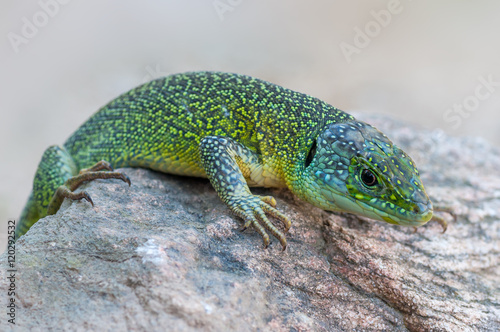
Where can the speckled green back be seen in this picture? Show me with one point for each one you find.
(159, 125)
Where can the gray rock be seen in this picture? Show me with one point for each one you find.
(166, 254)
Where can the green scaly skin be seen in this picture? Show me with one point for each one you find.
(238, 131)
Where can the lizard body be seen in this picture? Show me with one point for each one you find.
(238, 131)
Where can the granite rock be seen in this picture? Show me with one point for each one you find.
(166, 254)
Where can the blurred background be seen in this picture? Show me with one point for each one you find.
(431, 63)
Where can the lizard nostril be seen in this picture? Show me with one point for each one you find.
(420, 208)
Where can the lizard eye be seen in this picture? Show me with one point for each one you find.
(369, 179)
(310, 155)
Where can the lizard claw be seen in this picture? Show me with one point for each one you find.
(126, 179)
(85, 175)
(86, 196)
(441, 220)
(254, 210)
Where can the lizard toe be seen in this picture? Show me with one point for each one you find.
(261, 216)
(268, 199)
(254, 211)
(258, 227)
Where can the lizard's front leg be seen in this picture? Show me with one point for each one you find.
(225, 161)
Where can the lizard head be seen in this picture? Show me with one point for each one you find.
(353, 167)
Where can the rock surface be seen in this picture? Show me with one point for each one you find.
(166, 254)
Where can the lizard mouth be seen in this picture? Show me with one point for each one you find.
(420, 215)
(379, 210)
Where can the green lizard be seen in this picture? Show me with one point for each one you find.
(237, 131)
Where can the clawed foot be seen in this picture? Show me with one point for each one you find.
(85, 175)
(253, 210)
(440, 219)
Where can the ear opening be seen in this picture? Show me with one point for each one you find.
(311, 153)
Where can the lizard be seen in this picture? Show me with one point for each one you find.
(239, 132)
